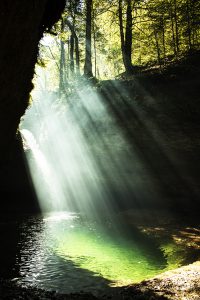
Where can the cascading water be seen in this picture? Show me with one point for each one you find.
(64, 172)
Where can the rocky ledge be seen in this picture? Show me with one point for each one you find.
(180, 284)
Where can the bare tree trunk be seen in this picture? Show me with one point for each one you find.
(163, 40)
(176, 26)
(157, 47)
(172, 29)
(88, 42)
(121, 28)
(95, 49)
(128, 38)
(62, 68)
(77, 55)
(95, 56)
(68, 58)
(189, 25)
(76, 44)
(72, 55)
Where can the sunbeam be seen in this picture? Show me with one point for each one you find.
(80, 159)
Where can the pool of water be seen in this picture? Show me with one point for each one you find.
(67, 253)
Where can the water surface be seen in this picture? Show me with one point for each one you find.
(67, 253)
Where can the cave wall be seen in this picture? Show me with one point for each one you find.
(22, 23)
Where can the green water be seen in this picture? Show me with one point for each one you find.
(117, 260)
(68, 254)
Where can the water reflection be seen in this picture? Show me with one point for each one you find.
(67, 253)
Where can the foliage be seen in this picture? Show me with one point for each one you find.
(163, 31)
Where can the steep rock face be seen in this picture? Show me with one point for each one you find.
(22, 24)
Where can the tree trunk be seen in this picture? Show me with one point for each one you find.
(176, 26)
(121, 28)
(128, 39)
(72, 55)
(68, 59)
(95, 49)
(88, 40)
(77, 55)
(157, 47)
(189, 25)
(76, 44)
(62, 68)
(172, 29)
(163, 40)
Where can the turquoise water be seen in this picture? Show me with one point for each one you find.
(67, 253)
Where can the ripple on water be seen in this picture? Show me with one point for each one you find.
(67, 254)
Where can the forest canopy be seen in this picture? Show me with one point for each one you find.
(105, 38)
